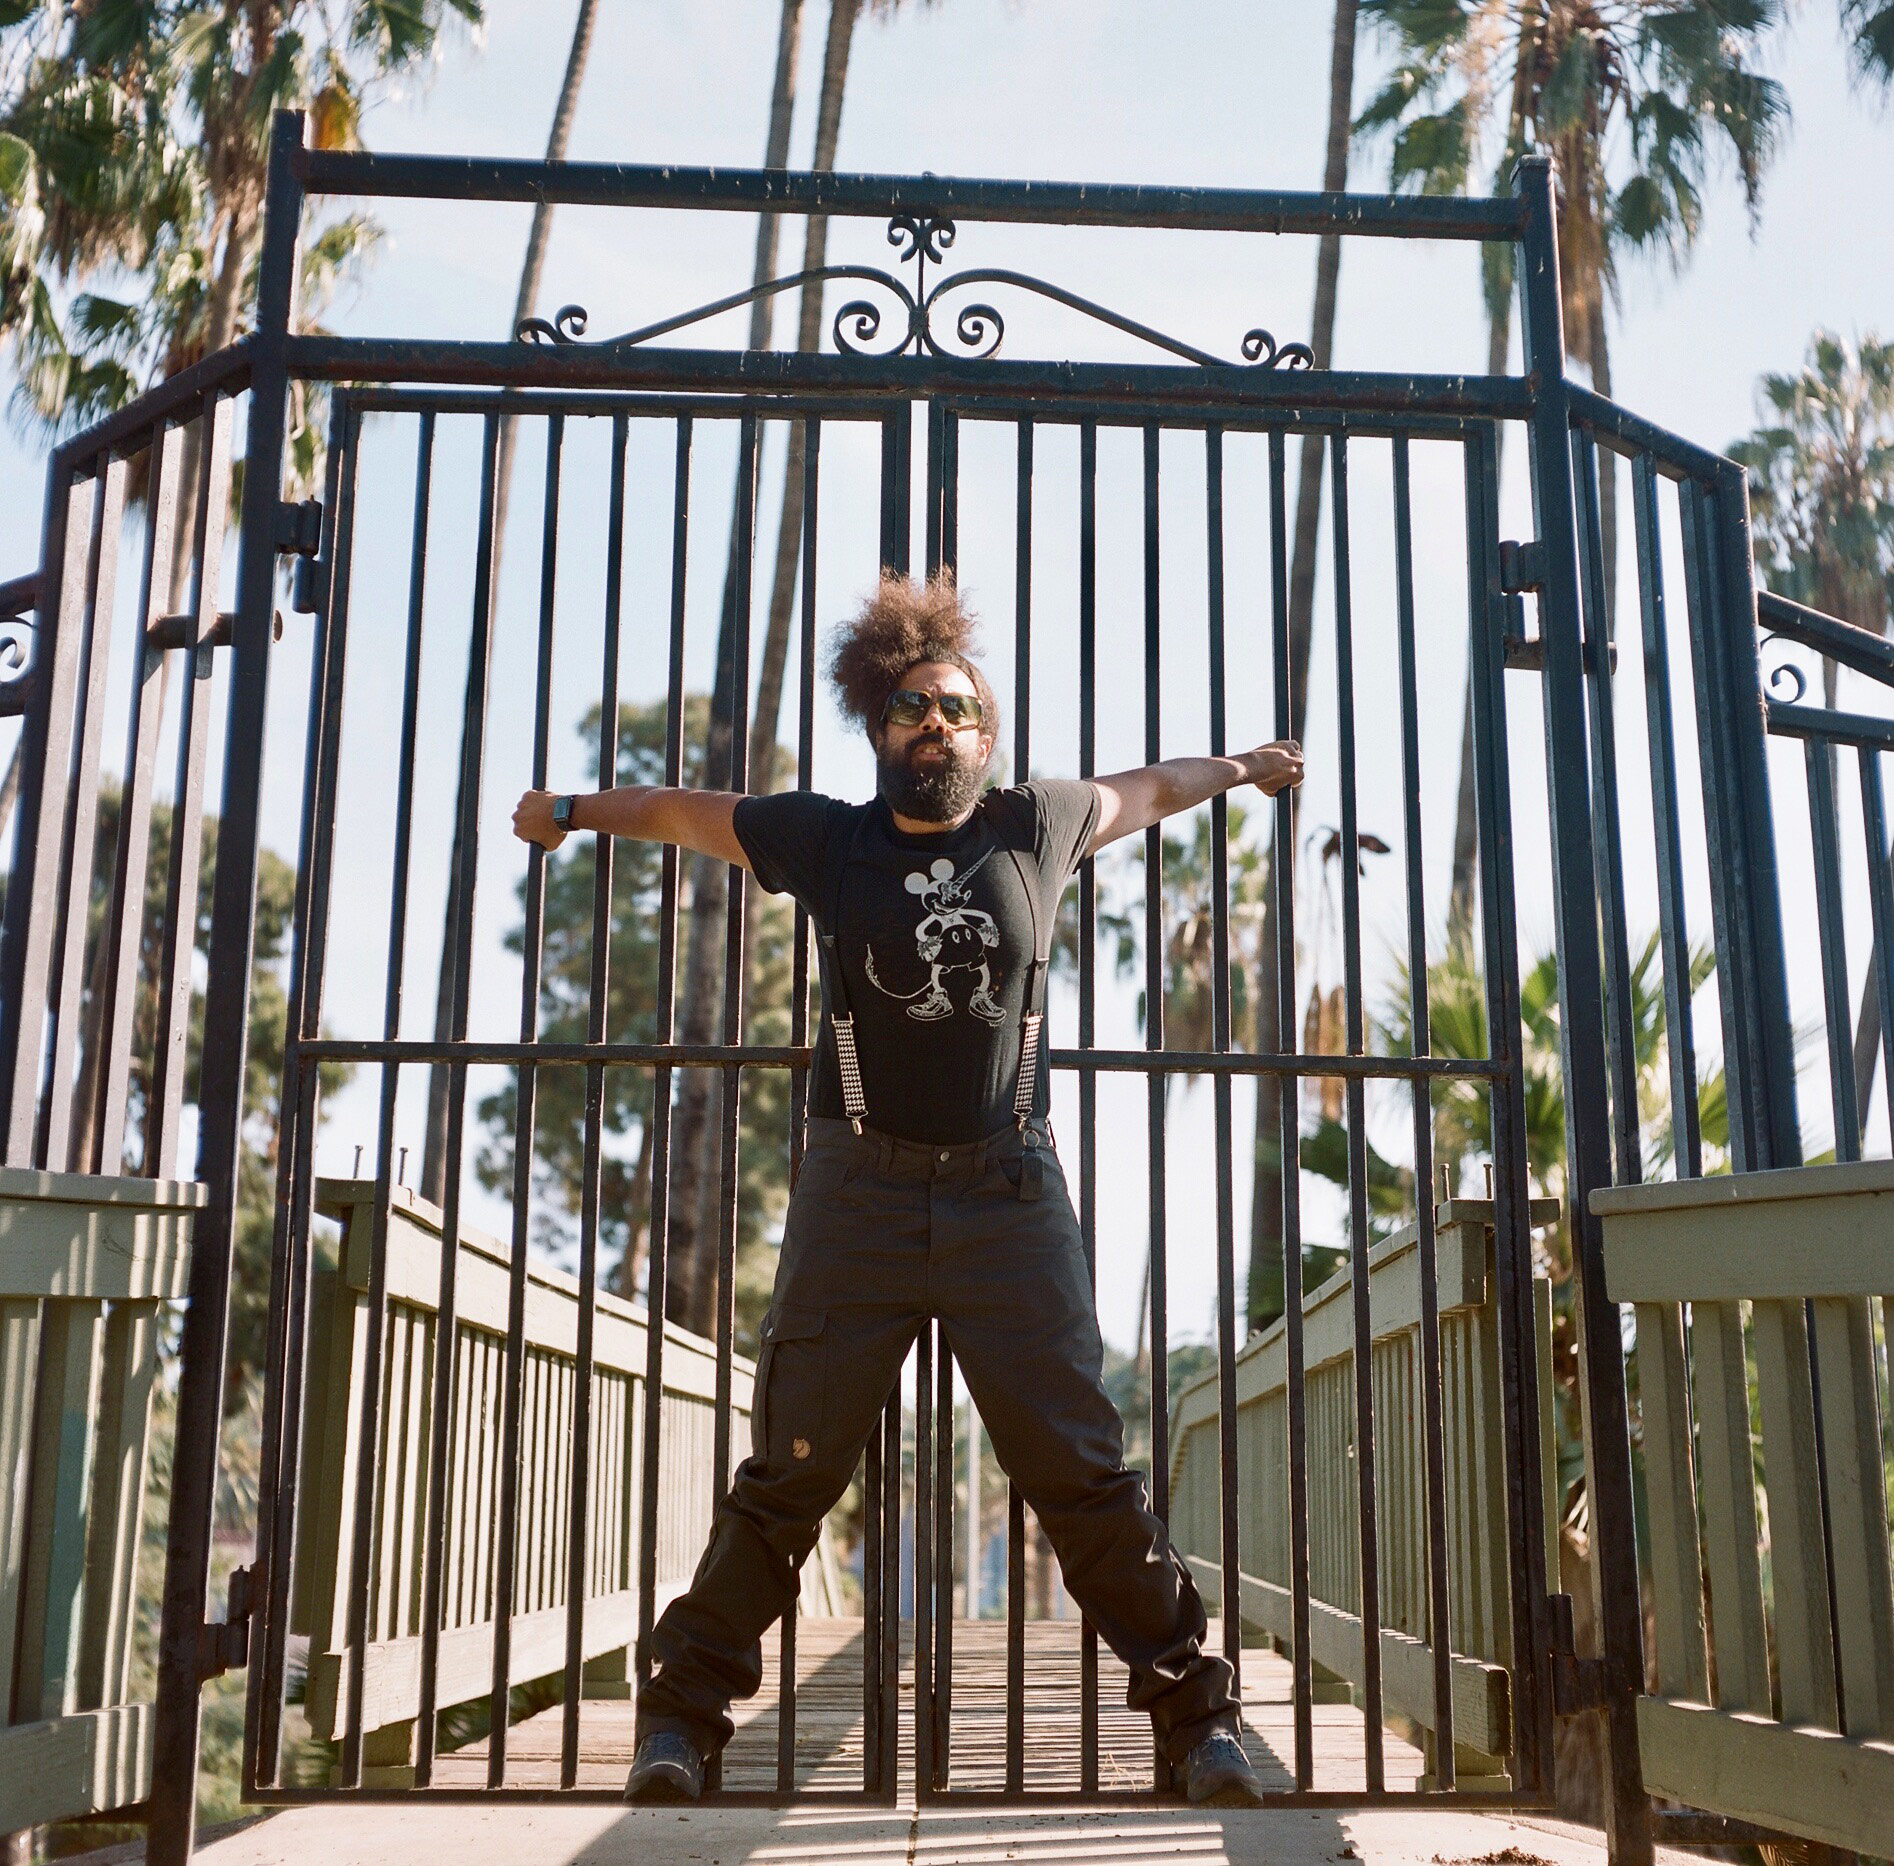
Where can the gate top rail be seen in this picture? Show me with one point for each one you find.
(802, 191)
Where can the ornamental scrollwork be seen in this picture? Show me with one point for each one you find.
(971, 332)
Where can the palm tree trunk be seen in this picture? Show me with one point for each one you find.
(691, 1258)
(434, 1146)
(1266, 1267)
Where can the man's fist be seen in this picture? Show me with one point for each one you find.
(1274, 767)
(532, 820)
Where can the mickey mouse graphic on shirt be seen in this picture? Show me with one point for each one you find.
(952, 937)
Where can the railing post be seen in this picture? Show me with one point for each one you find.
(226, 1027)
(1581, 1025)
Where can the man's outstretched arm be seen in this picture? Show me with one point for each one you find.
(1134, 800)
(700, 820)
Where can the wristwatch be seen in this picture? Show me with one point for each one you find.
(562, 812)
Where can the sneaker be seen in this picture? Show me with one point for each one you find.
(1217, 1774)
(666, 1767)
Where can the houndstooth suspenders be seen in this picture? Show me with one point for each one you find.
(842, 1016)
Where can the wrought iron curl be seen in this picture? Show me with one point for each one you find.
(16, 649)
(925, 236)
(863, 317)
(567, 326)
(1786, 675)
(1260, 348)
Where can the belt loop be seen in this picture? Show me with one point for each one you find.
(979, 1155)
(887, 1154)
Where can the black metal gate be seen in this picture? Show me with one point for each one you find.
(1204, 410)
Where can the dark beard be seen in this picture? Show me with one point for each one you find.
(937, 796)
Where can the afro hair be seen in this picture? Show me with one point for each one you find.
(902, 624)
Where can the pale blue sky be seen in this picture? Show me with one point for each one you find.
(1075, 89)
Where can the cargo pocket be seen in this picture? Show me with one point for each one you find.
(791, 1375)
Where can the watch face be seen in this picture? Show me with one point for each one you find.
(562, 812)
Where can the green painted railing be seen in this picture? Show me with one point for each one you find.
(1775, 1698)
(391, 1685)
(1480, 1633)
(87, 1265)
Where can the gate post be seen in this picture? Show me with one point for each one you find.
(1581, 1023)
(226, 1028)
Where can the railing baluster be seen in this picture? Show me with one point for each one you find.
(125, 921)
(1088, 1003)
(658, 1250)
(1282, 861)
(1367, 1528)
(1438, 1619)
(1228, 1540)
(164, 1106)
(82, 823)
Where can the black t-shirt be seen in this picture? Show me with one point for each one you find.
(935, 942)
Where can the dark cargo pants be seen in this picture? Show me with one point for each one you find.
(881, 1235)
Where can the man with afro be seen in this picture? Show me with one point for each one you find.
(930, 1185)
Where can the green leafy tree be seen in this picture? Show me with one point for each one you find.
(1821, 492)
(1635, 103)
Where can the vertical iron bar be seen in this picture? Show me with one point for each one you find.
(733, 964)
(943, 1481)
(799, 1003)
(226, 1027)
(525, 1127)
(924, 1556)
(1433, 1440)
(663, 1025)
(1088, 1002)
(1581, 1035)
(1518, 1344)
(890, 1708)
(1673, 929)
(1282, 879)
(164, 1106)
(1368, 1528)
(1229, 1552)
(1607, 841)
(1015, 1640)
(1824, 844)
(1880, 898)
(1156, 1083)
(45, 755)
(597, 1030)
(283, 1355)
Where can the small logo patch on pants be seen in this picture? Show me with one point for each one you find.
(799, 1448)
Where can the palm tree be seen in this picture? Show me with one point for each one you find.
(1869, 25)
(1632, 102)
(1821, 484)
(1265, 1283)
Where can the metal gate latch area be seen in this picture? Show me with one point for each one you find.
(225, 1647)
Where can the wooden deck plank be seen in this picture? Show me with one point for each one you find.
(829, 1722)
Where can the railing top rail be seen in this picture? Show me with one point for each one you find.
(1840, 641)
(336, 1198)
(1286, 393)
(229, 367)
(1617, 428)
(802, 191)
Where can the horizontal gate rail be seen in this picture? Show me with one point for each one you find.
(751, 191)
(774, 372)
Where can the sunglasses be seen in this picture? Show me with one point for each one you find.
(907, 706)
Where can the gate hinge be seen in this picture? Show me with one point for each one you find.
(1521, 566)
(1577, 1684)
(226, 1647)
(299, 527)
